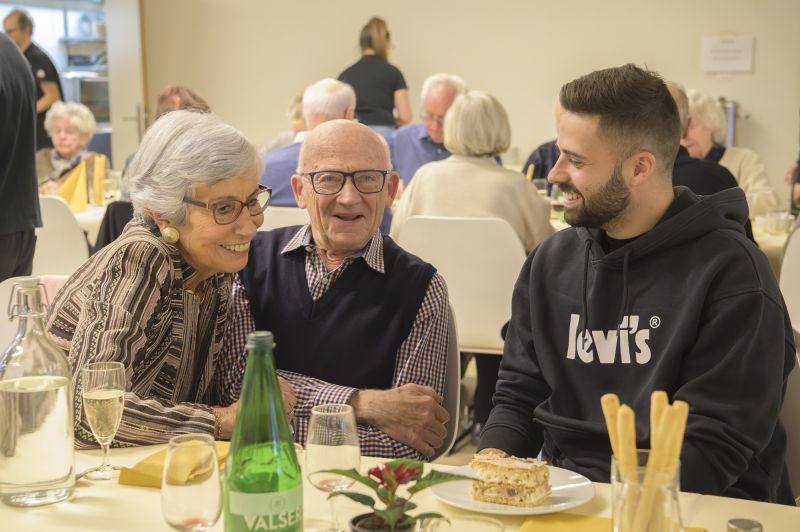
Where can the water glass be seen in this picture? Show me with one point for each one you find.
(472, 523)
(191, 493)
(637, 505)
(332, 443)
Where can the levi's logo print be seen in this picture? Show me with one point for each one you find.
(629, 344)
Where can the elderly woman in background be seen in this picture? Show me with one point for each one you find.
(471, 183)
(156, 299)
(71, 126)
(380, 86)
(703, 139)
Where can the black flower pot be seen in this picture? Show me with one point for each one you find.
(372, 523)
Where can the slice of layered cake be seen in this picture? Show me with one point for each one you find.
(510, 480)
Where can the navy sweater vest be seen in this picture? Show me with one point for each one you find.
(349, 336)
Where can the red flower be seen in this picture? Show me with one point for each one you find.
(405, 474)
(380, 473)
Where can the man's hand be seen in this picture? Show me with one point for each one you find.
(288, 396)
(411, 414)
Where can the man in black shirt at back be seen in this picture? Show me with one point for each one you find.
(19, 199)
(19, 28)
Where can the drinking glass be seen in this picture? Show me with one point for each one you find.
(191, 494)
(103, 392)
(112, 184)
(332, 443)
(657, 502)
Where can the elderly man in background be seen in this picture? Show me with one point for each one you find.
(327, 99)
(356, 319)
(416, 144)
(18, 25)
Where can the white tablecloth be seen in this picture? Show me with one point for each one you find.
(90, 220)
(106, 505)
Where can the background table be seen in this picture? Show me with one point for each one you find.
(90, 221)
(98, 505)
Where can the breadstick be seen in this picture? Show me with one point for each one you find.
(654, 476)
(676, 443)
(626, 441)
(610, 404)
(658, 402)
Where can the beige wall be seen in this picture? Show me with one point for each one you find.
(248, 57)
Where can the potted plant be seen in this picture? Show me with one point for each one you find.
(384, 481)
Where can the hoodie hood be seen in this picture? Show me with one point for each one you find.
(725, 210)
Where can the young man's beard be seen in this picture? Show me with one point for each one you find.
(603, 205)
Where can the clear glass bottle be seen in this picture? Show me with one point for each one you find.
(36, 425)
(263, 486)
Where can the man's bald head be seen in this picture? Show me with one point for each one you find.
(342, 140)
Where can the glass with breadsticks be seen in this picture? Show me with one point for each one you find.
(645, 482)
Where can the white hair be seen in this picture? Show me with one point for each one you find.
(477, 124)
(183, 150)
(75, 114)
(710, 112)
(328, 97)
(443, 80)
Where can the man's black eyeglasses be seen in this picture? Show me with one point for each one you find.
(327, 182)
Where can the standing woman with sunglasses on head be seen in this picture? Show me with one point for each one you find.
(380, 87)
(156, 299)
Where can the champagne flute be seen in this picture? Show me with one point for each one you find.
(332, 443)
(191, 493)
(103, 391)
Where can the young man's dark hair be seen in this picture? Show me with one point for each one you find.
(636, 110)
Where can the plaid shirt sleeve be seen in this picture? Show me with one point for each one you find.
(233, 355)
(421, 359)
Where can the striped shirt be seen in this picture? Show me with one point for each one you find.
(127, 303)
(420, 359)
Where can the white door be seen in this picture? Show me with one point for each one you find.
(126, 77)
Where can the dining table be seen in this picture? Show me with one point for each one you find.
(90, 221)
(107, 505)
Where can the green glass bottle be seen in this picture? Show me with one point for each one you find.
(263, 485)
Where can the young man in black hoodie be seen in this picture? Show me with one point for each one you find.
(652, 289)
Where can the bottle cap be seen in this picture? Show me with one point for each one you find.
(744, 525)
(27, 282)
(260, 340)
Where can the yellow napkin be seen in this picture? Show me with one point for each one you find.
(148, 471)
(562, 522)
(73, 189)
(98, 179)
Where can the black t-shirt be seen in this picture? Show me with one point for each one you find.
(43, 70)
(374, 81)
(19, 197)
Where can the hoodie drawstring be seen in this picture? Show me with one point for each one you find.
(623, 307)
(584, 286)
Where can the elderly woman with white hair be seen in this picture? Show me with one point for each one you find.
(156, 299)
(71, 126)
(703, 139)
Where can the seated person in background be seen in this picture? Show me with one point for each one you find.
(705, 133)
(294, 112)
(327, 99)
(652, 289)
(71, 126)
(356, 319)
(470, 182)
(702, 177)
(416, 144)
(157, 298)
(543, 159)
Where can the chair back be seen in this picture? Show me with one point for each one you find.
(480, 259)
(452, 386)
(61, 245)
(789, 280)
(275, 217)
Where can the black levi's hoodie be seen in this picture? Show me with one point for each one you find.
(690, 307)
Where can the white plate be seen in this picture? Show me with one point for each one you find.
(567, 490)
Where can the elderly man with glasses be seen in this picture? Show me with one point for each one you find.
(356, 319)
(416, 144)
